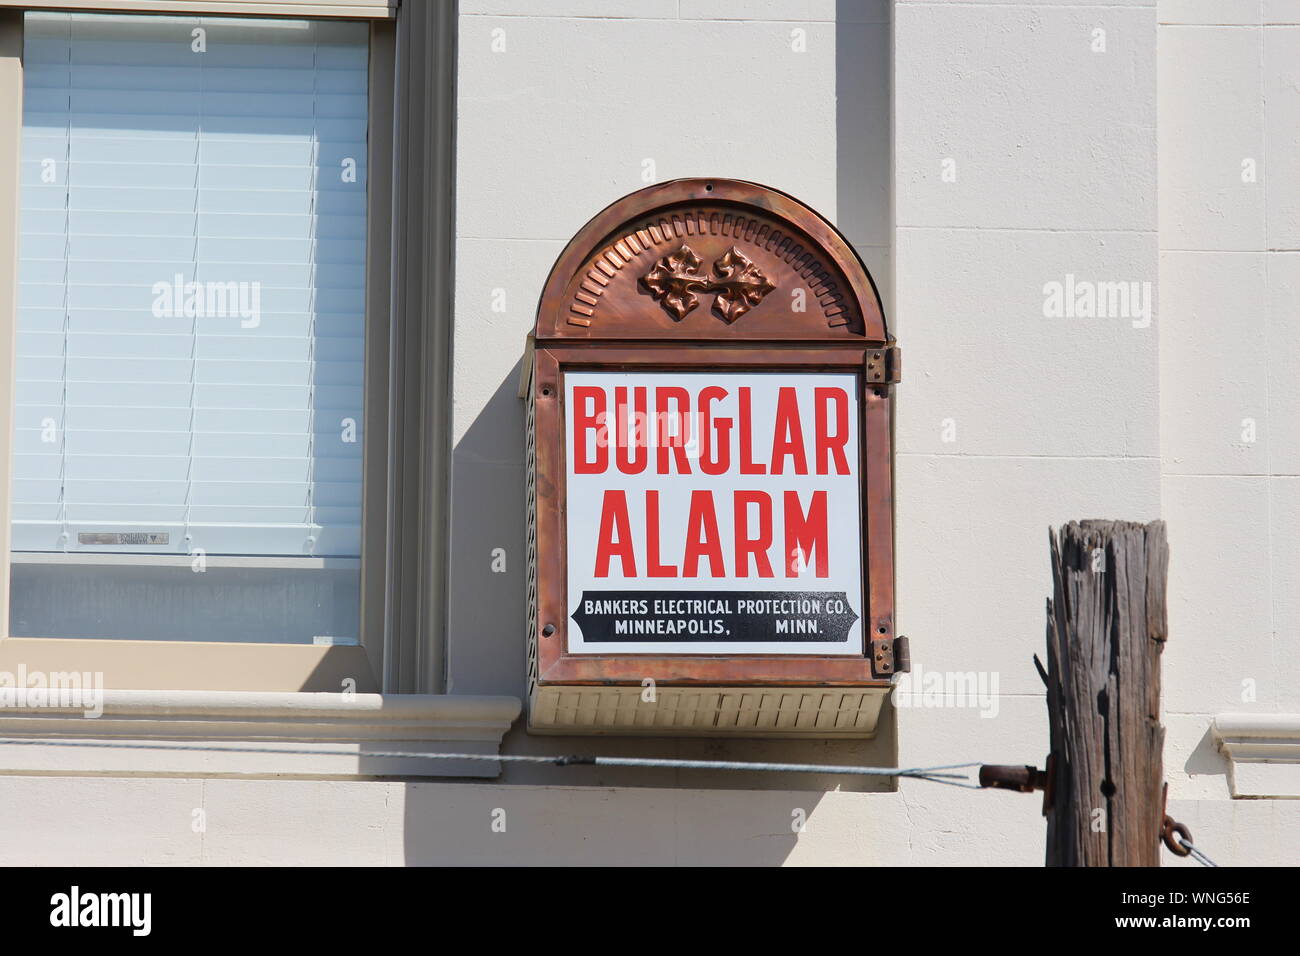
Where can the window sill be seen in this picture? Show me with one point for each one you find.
(1263, 752)
(333, 735)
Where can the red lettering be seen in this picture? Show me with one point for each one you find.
(583, 423)
(805, 534)
(708, 464)
(679, 434)
(747, 465)
(653, 568)
(631, 433)
(702, 537)
(828, 444)
(787, 439)
(756, 546)
(614, 518)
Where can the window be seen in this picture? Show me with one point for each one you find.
(189, 416)
(325, 558)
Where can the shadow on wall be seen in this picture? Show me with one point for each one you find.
(559, 826)
(488, 622)
(1206, 759)
(863, 139)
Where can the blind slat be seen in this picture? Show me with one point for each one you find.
(192, 285)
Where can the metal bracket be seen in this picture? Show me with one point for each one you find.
(1022, 779)
(891, 656)
(885, 365)
(882, 657)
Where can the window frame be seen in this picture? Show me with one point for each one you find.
(402, 604)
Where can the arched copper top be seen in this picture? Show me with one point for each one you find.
(710, 260)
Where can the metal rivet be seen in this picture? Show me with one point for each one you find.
(548, 630)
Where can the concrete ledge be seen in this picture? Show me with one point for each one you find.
(1263, 752)
(335, 735)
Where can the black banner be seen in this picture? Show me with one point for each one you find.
(691, 617)
(185, 905)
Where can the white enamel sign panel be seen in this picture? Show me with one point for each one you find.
(713, 513)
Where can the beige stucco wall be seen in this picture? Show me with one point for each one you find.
(856, 107)
(1230, 435)
(129, 822)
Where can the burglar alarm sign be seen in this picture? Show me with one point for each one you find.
(708, 394)
(713, 513)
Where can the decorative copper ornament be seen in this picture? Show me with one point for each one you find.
(675, 280)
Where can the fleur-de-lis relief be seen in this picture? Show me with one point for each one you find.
(675, 280)
(742, 285)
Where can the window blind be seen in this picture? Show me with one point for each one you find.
(192, 279)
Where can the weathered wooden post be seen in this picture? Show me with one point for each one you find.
(1106, 626)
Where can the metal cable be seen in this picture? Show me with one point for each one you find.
(1196, 854)
(936, 774)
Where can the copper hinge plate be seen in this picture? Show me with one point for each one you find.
(885, 365)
